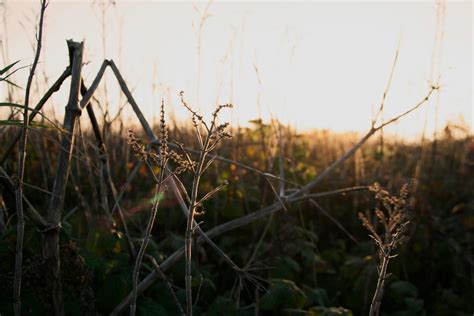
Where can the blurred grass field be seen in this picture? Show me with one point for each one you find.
(304, 261)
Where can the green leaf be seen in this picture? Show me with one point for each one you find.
(403, 289)
(161, 291)
(149, 307)
(33, 123)
(4, 70)
(113, 290)
(317, 296)
(283, 294)
(286, 268)
(11, 83)
(72, 305)
(31, 305)
(414, 304)
(335, 257)
(293, 264)
(331, 311)
(11, 104)
(352, 268)
(222, 306)
(11, 122)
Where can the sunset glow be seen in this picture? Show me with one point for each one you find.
(309, 64)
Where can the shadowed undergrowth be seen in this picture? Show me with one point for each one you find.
(300, 260)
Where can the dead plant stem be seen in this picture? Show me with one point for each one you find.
(51, 234)
(21, 171)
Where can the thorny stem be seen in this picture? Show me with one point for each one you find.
(21, 172)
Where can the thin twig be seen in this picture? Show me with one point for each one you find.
(143, 246)
(18, 182)
(336, 222)
(329, 193)
(387, 88)
(32, 213)
(168, 283)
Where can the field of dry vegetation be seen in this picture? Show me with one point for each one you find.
(98, 217)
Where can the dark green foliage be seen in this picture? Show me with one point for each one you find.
(149, 307)
(283, 294)
(222, 306)
(304, 263)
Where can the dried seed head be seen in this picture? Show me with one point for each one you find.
(183, 164)
(163, 133)
(137, 147)
(155, 158)
(393, 217)
(219, 108)
(195, 117)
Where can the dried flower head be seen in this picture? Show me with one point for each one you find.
(183, 163)
(393, 219)
(219, 108)
(163, 133)
(195, 116)
(215, 133)
(137, 147)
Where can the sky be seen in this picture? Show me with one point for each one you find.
(311, 64)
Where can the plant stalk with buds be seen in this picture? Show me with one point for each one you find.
(394, 222)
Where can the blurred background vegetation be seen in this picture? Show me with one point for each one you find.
(304, 261)
(307, 264)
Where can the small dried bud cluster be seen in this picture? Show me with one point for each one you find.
(216, 133)
(137, 147)
(195, 117)
(219, 108)
(163, 132)
(164, 154)
(221, 133)
(393, 219)
(183, 163)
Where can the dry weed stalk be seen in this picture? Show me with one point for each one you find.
(214, 134)
(18, 182)
(394, 220)
(160, 160)
(152, 159)
(139, 151)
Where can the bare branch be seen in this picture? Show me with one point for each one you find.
(18, 183)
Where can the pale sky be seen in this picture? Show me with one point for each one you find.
(319, 64)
